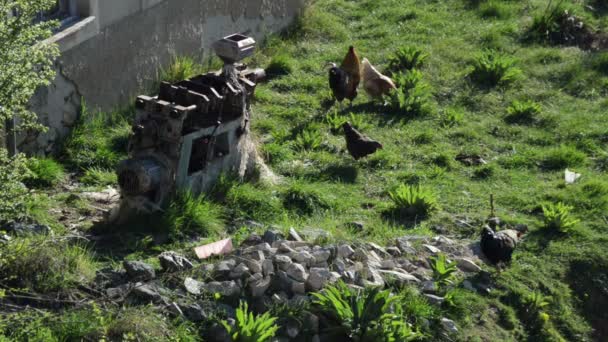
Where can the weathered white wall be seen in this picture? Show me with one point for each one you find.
(118, 49)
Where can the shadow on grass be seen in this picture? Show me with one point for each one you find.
(401, 218)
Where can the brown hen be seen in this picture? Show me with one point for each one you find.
(357, 144)
(375, 84)
(352, 66)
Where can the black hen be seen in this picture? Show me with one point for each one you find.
(499, 246)
(338, 82)
(359, 145)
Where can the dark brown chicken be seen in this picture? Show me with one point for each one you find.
(359, 145)
(338, 82)
(352, 66)
(499, 246)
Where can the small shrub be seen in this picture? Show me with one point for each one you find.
(484, 172)
(189, 215)
(416, 308)
(414, 200)
(491, 69)
(245, 200)
(494, 9)
(13, 193)
(558, 25)
(442, 160)
(426, 137)
(99, 177)
(443, 271)
(280, 65)
(366, 315)
(407, 58)
(45, 265)
(523, 112)
(304, 199)
(181, 68)
(45, 173)
(451, 118)
(599, 62)
(562, 157)
(558, 217)
(250, 328)
(413, 96)
(309, 139)
(275, 152)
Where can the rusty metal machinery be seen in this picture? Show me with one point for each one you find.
(191, 132)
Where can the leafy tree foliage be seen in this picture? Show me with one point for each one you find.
(26, 59)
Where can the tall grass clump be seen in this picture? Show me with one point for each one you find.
(363, 315)
(250, 328)
(407, 58)
(490, 69)
(246, 200)
(99, 177)
(45, 173)
(562, 157)
(181, 68)
(413, 200)
(304, 199)
(43, 264)
(280, 65)
(189, 215)
(494, 9)
(558, 217)
(413, 96)
(523, 112)
(557, 24)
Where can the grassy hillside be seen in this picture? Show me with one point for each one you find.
(499, 81)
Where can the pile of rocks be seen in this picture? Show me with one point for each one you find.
(270, 269)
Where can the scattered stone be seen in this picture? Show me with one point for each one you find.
(378, 249)
(319, 277)
(432, 249)
(293, 235)
(449, 325)
(145, 292)
(321, 255)
(24, 229)
(405, 246)
(240, 271)
(137, 270)
(267, 267)
(393, 251)
(442, 240)
(293, 329)
(174, 309)
(271, 236)
(401, 278)
(282, 262)
(345, 251)
(258, 287)
(303, 257)
(118, 293)
(228, 289)
(225, 267)
(254, 266)
(468, 285)
(108, 196)
(429, 287)
(193, 286)
(252, 240)
(467, 265)
(433, 299)
(387, 264)
(172, 262)
(297, 272)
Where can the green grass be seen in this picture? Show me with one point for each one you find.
(45, 173)
(99, 177)
(192, 216)
(480, 61)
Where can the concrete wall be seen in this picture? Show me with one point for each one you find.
(110, 56)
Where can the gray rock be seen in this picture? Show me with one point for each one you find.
(193, 286)
(195, 313)
(303, 257)
(449, 325)
(285, 248)
(345, 251)
(267, 267)
(255, 255)
(293, 329)
(371, 278)
(387, 264)
(228, 289)
(263, 247)
(172, 262)
(282, 262)
(118, 293)
(429, 287)
(380, 251)
(174, 309)
(443, 241)
(239, 272)
(432, 249)
(137, 270)
(394, 251)
(468, 285)
(321, 256)
(433, 299)
(401, 278)
(145, 293)
(258, 287)
(270, 236)
(297, 272)
(318, 278)
(24, 229)
(224, 267)
(467, 265)
(254, 266)
(356, 225)
(252, 240)
(310, 322)
(405, 246)
(293, 235)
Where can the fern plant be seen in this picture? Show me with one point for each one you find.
(413, 200)
(335, 121)
(451, 118)
(367, 315)
(443, 271)
(407, 58)
(413, 96)
(558, 217)
(250, 328)
(491, 68)
(523, 112)
(309, 139)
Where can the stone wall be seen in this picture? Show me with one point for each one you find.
(114, 51)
